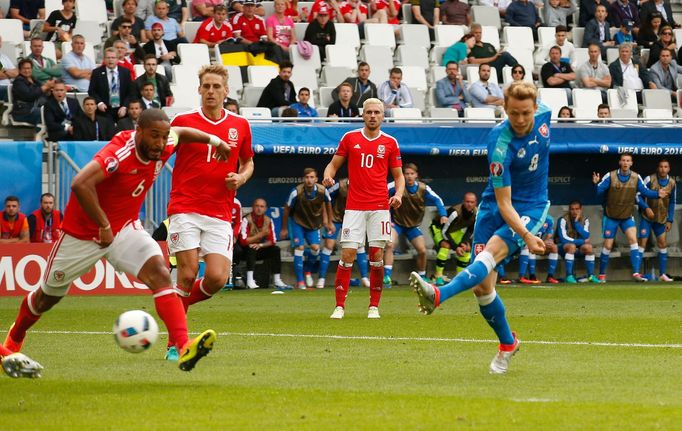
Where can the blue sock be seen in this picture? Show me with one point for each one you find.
(306, 260)
(363, 263)
(473, 275)
(663, 261)
(298, 265)
(553, 261)
(494, 313)
(589, 264)
(388, 270)
(531, 265)
(324, 262)
(523, 263)
(603, 260)
(635, 258)
(314, 261)
(569, 260)
(500, 271)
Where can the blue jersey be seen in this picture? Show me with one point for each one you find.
(520, 162)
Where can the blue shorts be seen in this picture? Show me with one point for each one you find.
(301, 235)
(610, 226)
(646, 226)
(335, 235)
(489, 222)
(410, 232)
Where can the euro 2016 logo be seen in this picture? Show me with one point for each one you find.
(496, 169)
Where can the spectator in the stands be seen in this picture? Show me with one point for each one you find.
(624, 34)
(426, 12)
(247, 26)
(302, 106)
(625, 12)
(124, 34)
(555, 12)
(129, 122)
(518, 73)
(588, 8)
(665, 71)
(28, 95)
(60, 24)
(162, 91)
(172, 30)
(557, 73)
(111, 86)
(523, 13)
(137, 23)
(204, 9)
(560, 40)
(76, 66)
(363, 88)
(628, 73)
(344, 107)
(666, 41)
(235, 7)
(484, 52)
(453, 12)
(354, 12)
(123, 59)
(450, 90)
(91, 126)
(501, 5)
(321, 32)
(231, 105)
(333, 6)
(8, 71)
(216, 29)
(289, 112)
(178, 10)
(13, 223)
(648, 34)
(486, 94)
(25, 11)
(280, 92)
(388, 8)
(280, 28)
(147, 96)
(598, 31)
(394, 93)
(45, 223)
(44, 68)
(164, 51)
(661, 7)
(593, 73)
(565, 113)
(60, 112)
(603, 113)
(459, 51)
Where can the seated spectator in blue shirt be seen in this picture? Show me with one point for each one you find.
(486, 94)
(302, 106)
(172, 31)
(624, 35)
(450, 91)
(522, 13)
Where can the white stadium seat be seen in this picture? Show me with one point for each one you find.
(546, 36)
(555, 98)
(335, 75)
(487, 15)
(490, 34)
(260, 76)
(11, 31)
(312, 63)
(256, 113)
(656, 99)
(519, 37)
(414, 77)
(586, 102)
(447, 35)
(412, 55)
(406, 115)
(342, 56)
(618, 108)
(191, 29)
(194, 54)
(94, 10)
(415, 35)
(480, 114)
(234, 81)
(347, 34)
(380, 35)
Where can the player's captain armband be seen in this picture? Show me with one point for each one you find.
(214, 140)
(173, 138)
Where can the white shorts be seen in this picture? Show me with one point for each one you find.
(376, 225)
(72, 257)
(190, 231)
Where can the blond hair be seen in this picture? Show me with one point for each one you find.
(215, 69)
(373, 101)
(521, 90)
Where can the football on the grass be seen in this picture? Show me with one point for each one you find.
(135, 331)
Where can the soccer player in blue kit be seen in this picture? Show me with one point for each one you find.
(513, 208)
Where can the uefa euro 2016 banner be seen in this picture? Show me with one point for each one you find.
(22, 267)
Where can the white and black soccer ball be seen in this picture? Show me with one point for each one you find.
(135, 331)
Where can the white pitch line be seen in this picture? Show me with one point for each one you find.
(384, 338)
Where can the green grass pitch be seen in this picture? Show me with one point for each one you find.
(592, 358)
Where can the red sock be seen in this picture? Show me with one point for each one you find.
(342, 282)
(4, 351)
(376, 277)
(196, 295)
(170, 310)
(25, 319)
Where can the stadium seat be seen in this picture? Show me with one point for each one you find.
(300, 28)
(419, 98)
(546, 35)
(586, 102)
(580, 56)
(519, 37)
(186, 95)
(380, 35)
(656, 99)
(191, 28)
(234, 81)
(311, 63)
(611, 55)
(194, 54)
(622, 110)
(380, 60)
(42, 126)
(436, 55)
(348, 34)
(89, 50)
(415, 35)
(185, 75)
(472, 75)
(443, 112)
(52, 5)
(412, 55)
(260, 76)
(93, 10)
(577, 34)
(555, 98)
(11, 31)
(414, 77)
(447, 35)
(431, 97)
(487, 15)
(406, 115)
(333, 75)
(491, 35)
(436, 73)
(322, 111)
(480, 114)
(251, 95)
(13, 51)
(139, 69)
(664, 115)
(7, 119)
(524, 57)
(407, 13)
(304, 77)
(92, 31)
(326, 98)
(256, 113)
(342, 56)
(678, 34)
(49, 50)
(268, 7)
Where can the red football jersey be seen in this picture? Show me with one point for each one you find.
(369, 163)
(252, 29)
(209, 32)
(198, 178)
(383, 4)
(122, 192)
(347, 8)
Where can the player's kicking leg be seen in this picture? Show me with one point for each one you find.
(18, 365)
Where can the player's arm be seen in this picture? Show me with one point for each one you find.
(671, 208)
(511, 217)
(647, 192)
(283, 232)
(327, 213)
(331, 169)
(451, 218)
(602, 184)
(84, 188)
(191, 135)
(237, 179)
(397, 199)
